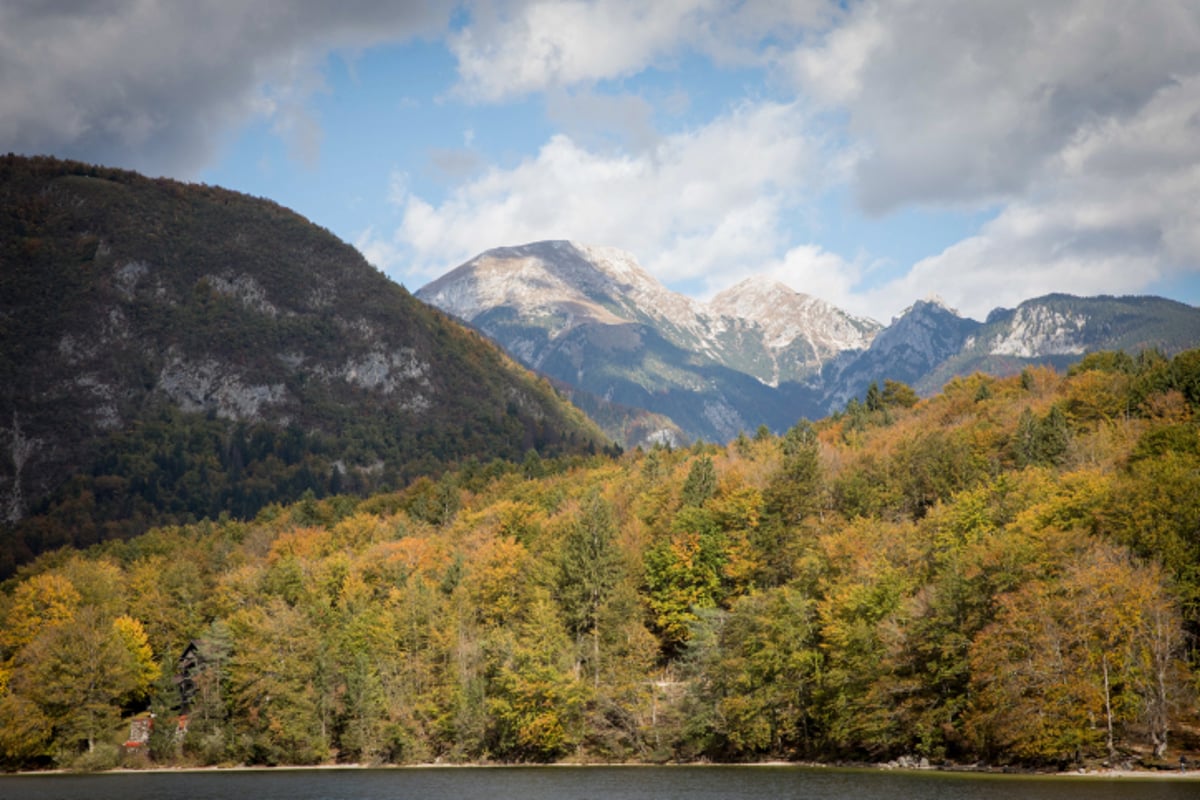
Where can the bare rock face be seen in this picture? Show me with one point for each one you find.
(211, 386)
(1038, 330)
(20, 449)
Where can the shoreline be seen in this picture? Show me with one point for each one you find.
(989, 772)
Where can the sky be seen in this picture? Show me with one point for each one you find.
(871, 153)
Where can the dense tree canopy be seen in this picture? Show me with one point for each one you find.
(1006, 572)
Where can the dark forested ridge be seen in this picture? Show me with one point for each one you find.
(171, 352)
(1005, 573)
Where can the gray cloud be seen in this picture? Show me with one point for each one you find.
(1114, 212)
(971, 102)
(153, 85)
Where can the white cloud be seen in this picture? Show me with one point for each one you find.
(831, 72)
(710, 200)
(544, 45)
(817, 272)
(513, 49)
(1001, 267)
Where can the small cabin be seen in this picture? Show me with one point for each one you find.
(189, 663)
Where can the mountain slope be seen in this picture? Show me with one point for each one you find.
(760, 352)
(950, 577)
(1059, 329)
(916, 343)
(593, 318)
(800, 333)
(175, 351)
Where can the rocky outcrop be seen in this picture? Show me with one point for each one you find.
(209, 385)
(1037, 330)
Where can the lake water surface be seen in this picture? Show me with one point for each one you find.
(583, 783)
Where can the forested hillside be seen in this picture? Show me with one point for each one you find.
(1005, 573)
(171, 352)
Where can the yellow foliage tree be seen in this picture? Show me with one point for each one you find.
(42, 601)
(1067, 663)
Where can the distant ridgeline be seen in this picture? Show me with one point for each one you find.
(171, 352)
(759, 353)
(1005, 573)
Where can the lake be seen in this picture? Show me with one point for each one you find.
(584, 783)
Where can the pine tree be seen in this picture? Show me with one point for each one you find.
(589, 569)
(701, 482)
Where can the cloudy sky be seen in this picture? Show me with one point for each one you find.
(869, 153)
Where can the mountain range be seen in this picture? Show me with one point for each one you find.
(758, 353)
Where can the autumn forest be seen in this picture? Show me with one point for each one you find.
(1007, 573)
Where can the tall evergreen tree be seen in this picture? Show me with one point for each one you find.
(589, 569)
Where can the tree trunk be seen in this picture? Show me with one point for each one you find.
(1108, 712)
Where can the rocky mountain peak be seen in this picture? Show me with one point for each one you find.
(787, 315)
(593, 318)
(560, 286)
(928, 327)
(576, 283)
(931, 306)
(745, 298)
